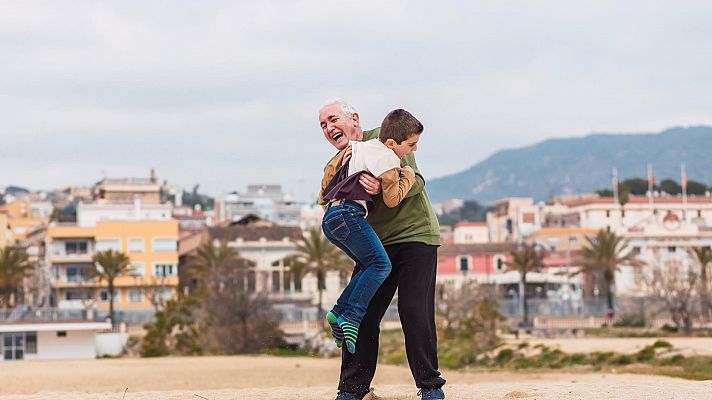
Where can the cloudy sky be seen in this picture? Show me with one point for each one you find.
(226, 93)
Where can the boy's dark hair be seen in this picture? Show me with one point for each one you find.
(399, 125)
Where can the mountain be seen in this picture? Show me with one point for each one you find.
(584, 164)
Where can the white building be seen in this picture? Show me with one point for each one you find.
(46, 334)
(264, 201)
(470, 232)
(89, 214)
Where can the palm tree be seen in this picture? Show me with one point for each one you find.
(108, 265)
(703, 256)
(605, 253)
(209, 258)
(524, 260)
(315, 254)
(15, 266)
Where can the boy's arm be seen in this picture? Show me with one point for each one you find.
(396, 183)
(419, 182)
(329, 172)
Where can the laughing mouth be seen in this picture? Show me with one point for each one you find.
(336, 136)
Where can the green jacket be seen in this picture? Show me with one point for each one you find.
(413, 220)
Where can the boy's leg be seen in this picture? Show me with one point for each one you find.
(363, 242)
(367, 247)
(417, 264)
(357, 370)
(342, 301)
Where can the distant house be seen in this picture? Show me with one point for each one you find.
(478, 262)
(48, 334)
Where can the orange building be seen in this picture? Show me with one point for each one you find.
(151, 246)
(24, 216)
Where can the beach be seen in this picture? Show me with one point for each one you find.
(313, 378)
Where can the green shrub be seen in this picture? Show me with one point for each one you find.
(622, 359)
(504, 356)
(602, 356)
(646, 354)
(662, 344)
(523, 345)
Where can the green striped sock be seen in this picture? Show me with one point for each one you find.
(336, 332)
(350, 333)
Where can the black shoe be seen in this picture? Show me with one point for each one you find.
(348, 396)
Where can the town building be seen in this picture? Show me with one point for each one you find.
(5, 237)
(151, 246)
(48, 334)
(268, 202)
(466, 232)
(24, 216)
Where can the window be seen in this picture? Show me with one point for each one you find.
(164, 245)
(297, 284)
(20, 229)
(287, 283)
(608, 213)
(77, 274)
(31, 343)
(275, 281)
(573, 239)
(499, 264)
(165, 269)
(61, 333)
(104, 296)
(671, 249)
(72, 247)
(78, 294)
(464, 263)
(136, 269)
(135, 295)
(251, 281)
(635, 250)
(136, 245)
(108, 244)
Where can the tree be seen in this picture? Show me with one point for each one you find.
(524, 260)
(696, 188)
(636, 186)
(314, 254)
(669, 186)
(703, 257)
(14, 268)
(605, 253)
(675, 289)
(109, 265)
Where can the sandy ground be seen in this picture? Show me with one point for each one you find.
(688, 346)
(236, 378)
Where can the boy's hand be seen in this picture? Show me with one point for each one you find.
(347, 156)
(371, 184)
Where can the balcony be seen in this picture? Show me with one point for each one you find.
(26, 314)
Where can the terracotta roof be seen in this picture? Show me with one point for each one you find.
(476, 248)
(255, 233)
(640, 200)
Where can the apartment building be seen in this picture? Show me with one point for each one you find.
(267, 202)
(4, 230)
(151, 246)
(24, 216)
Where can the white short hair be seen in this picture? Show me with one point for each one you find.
(345, 106)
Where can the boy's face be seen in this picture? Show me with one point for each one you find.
(405, 147)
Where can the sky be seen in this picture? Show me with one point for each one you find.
(226, 93)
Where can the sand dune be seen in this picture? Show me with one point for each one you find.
(235, 378)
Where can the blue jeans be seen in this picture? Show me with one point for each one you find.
(345, 225)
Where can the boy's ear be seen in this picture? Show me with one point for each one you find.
(390, 143)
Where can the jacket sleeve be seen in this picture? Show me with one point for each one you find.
(419, 183)
(396, 183)
(329, 172)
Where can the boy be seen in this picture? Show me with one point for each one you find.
(344, 222)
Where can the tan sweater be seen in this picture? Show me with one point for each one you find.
(374, 157)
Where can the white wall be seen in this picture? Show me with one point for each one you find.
(77, 344)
